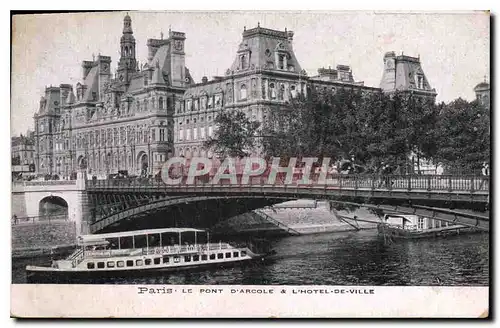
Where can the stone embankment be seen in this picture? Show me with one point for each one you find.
(42, 238)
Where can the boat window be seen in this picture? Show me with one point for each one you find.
(130, 263)
(235, 254)
(220, 256)
(120, 264)
(100, 265)
(90, 265)
(165, 259)
(147, 261)
(154, 240)
(212, 256)
(126, 242)
(111, 264)
(177, 259)
(196, 258)
(113, 243)
(204, 257)
(243, 253)
(140, 241)
(157, 260)
(187, 258)
(228, 255)
(138, 262)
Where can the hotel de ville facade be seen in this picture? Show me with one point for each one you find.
(136, 118)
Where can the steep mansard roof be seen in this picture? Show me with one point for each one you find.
(262, 44)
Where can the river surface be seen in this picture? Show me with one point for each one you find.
(342, 258)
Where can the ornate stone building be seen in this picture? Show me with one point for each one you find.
(137, 118)
(114, 122)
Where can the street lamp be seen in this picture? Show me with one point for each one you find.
(149, 154)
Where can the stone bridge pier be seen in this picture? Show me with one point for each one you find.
(29, 199)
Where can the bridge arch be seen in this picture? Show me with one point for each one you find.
(53, 207)
(163, 204)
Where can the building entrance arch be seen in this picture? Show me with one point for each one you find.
(142, 163)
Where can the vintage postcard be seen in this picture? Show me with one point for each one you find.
(250, 164)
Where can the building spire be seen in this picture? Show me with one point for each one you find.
(127, 25)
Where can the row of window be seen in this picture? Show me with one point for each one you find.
(163, 260)
(205, 102)
(195, 133)
(433, 223)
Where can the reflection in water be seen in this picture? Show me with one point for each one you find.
(346, 258)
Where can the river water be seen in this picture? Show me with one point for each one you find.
(342, 258)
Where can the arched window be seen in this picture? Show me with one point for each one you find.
(160, 103)
(272, 91)
(243, 92)
(243, 62)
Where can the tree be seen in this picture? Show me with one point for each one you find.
(462, 135)
(16, 160)
(235, 135)
(370, 127)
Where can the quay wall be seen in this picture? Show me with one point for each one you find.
(30, 238)
(18, 203)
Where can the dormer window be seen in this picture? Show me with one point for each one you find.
(420, 82)
(281, 61)
(243, 64)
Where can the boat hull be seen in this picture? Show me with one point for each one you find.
(49, 276)
(398, 233)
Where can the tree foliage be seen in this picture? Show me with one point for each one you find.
(462, 135)
(235, 135)
(369, 127)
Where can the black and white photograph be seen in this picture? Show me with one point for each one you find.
(237, 154)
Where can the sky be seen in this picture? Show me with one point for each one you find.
(47, 49)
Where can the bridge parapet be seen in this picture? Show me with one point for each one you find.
(408, 183)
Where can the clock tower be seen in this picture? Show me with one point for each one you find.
(127, 63)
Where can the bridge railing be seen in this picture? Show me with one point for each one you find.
(45, 183)
(375, 182)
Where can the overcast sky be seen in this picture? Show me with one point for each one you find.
(453, 47)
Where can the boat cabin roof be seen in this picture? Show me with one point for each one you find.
(89, 238)
(401, 216)
(95, 242)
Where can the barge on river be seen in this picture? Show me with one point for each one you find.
(415, 226)
(144, 251)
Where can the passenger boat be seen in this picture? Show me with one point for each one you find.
(415, 226)
(144, 251)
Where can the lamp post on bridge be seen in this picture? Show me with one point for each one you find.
(149, 155)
